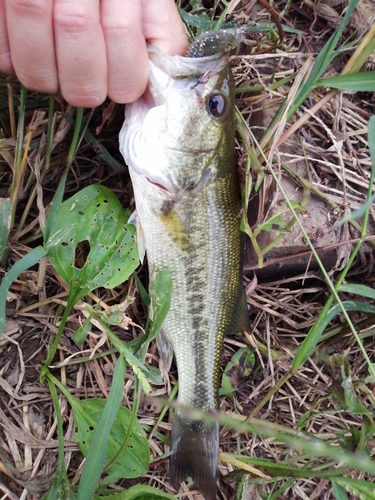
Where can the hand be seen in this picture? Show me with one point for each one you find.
(87, 49)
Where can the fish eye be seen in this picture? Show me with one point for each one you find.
(216, 105)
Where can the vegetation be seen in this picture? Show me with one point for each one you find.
(297, 395)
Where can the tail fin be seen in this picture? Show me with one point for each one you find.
(195, 450)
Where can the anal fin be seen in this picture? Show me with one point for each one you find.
(240, 319)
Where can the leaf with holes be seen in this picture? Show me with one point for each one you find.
(130, 462)
(91, 245)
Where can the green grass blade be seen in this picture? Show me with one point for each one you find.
(308, 346)
(5, 221)
(363, 290)
(29, 260)
(339, 492)
(96, 456)
(371, 141)
(323, 59)
(357, 82)
(61, 487)
(55, 207)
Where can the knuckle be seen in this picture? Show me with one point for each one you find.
(85, 97)
(31, 8)
(72, 18)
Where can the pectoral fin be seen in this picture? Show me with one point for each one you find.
(141, 244)
(165, 349)
(176, 230)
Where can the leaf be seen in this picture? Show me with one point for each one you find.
(138, 492)
(343, 392)
(160, 293)
(54, 209)
(133, 461)
(140, 369)
(96, 455)
(29, 260)
(339, 492)
(312, 339)
(362, 489)
(239, 367)
(5, 219)
(323, 60)
(357, 82)
(275, 223)
(61, 490)
(371, 140)
(362, 290)
(95, 216)
(356, 214)
(81, 333)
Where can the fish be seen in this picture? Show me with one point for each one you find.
(178, 142)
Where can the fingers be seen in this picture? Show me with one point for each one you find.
(80, 51)
(30, 34)
(162, 26)
(5, 58)
(86, 48)
(126, 49)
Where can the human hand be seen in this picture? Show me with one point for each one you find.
(87, 49)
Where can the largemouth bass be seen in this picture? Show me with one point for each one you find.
(178, 142)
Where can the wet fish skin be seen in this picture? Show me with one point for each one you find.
(181, 161)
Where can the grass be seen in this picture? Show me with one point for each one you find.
(298, 389)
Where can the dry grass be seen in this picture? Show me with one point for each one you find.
(324, 165)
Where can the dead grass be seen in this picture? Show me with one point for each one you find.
(324, 164)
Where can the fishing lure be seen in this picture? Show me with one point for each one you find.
(215, 42)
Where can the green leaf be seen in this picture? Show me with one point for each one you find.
(323, 60)
(94, 216)
(357, 82)
(339, 492)
(239, 367)
(80, 335)
(138, 492)
(29, 260)
(133, 460)
(53, 211)
(5, 219)
(308, 346)
(362, 489)
(360, 212)
(363, 290)
(62, 489)
(160, 293)
(96, 455)
(371, 141)
(275, 223)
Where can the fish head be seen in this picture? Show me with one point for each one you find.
(178, 131)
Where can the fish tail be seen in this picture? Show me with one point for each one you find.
(195, 450)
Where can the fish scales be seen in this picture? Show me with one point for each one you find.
(179, 146)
